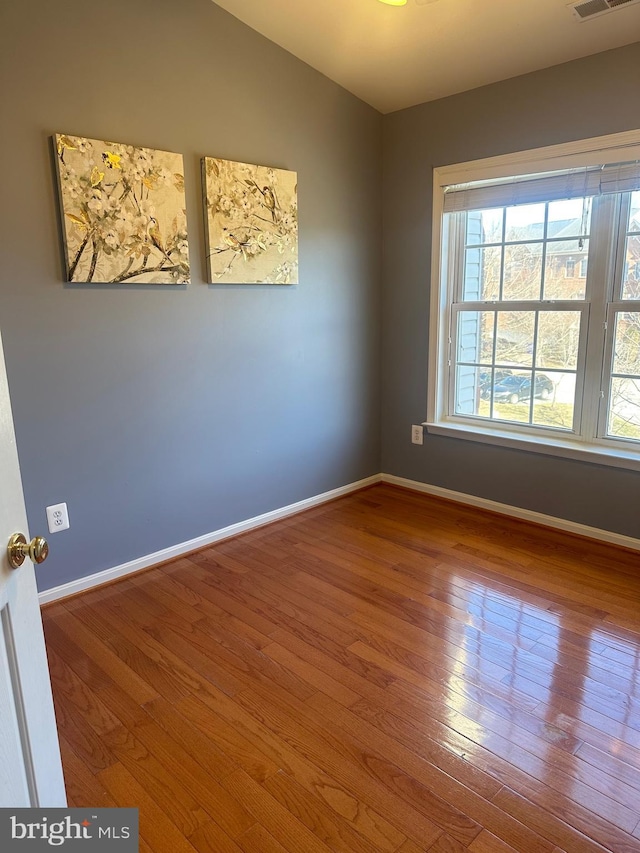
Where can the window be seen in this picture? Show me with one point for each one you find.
(536, 316)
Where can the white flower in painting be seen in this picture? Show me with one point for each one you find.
(183, 248)
(111, 239)
(225, 204)
(95, 204)
(252, 249)
(140, 224)
(284, 273)
(147, 209)
(125, 227)
(112, 204)
(72, 186)
(143, 159)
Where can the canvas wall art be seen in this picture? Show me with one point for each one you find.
(251, 223)
(123, 212)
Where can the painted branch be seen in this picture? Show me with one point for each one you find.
(126, 276)
(76, 260)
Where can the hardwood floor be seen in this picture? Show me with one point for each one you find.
(388, 672)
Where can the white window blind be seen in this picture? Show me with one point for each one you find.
(552, 186)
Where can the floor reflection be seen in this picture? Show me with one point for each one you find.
(554, 694)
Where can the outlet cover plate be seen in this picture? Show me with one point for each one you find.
(57, 518)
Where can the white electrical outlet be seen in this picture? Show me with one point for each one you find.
(417, 434)
(57, 517)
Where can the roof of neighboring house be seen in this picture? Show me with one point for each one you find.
(569, 228)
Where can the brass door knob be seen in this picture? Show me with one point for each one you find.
(18, 549)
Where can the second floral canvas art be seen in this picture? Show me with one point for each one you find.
(251, 223)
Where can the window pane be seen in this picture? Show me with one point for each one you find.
(624, 402)
(626, 351)
(470, 384)
(475, 337)
(484, 226)
(482, 274)
(565, 269)
(631, 277)
(522, 271)
(554, 399)
(512, 397)
(624, 408)
(514, 338)
(631, 272)
(525, 222)
(634, 213)
(570, 218)
(558, 339)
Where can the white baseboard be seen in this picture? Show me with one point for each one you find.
(99, 578)
(516, 512)
(133, 566)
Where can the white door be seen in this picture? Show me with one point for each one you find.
(30, 767)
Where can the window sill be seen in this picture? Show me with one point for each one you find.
(549, 445)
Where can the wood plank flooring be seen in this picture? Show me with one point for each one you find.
(388, 672)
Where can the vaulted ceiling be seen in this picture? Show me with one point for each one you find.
(395, 57)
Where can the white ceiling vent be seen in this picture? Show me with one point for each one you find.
(586, 9)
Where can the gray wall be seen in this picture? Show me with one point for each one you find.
(588, 97)
(163, 413)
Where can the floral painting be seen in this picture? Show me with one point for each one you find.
(251, 223)
(123, 212)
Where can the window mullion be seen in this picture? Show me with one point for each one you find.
(456, 263)
(602, 255)
(614, 307)
(607, 365)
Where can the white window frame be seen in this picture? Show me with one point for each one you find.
(620, 147)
